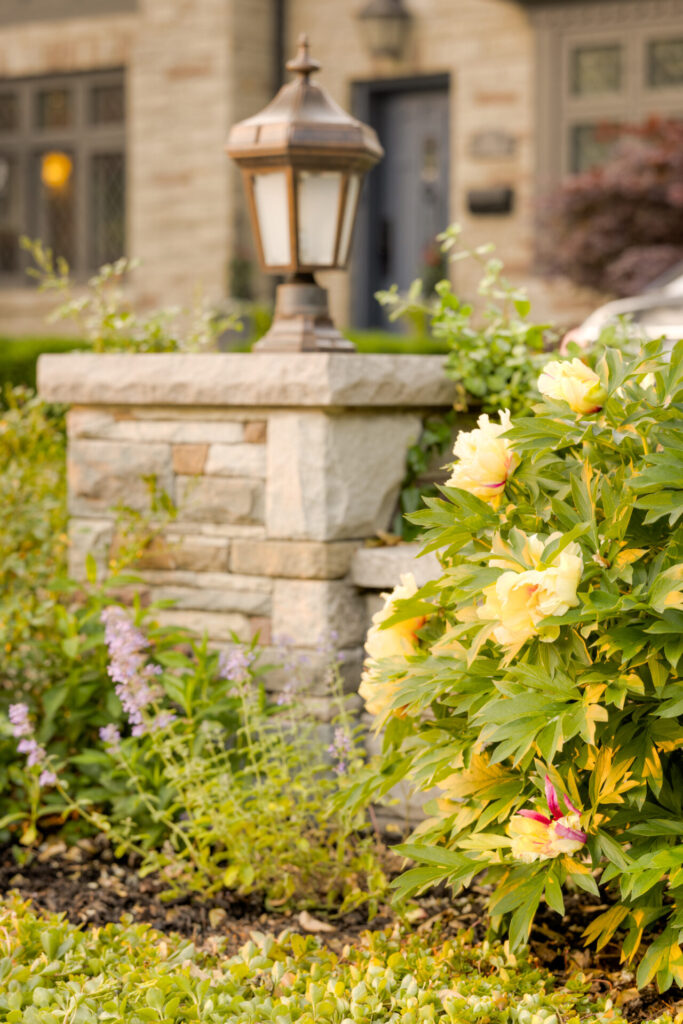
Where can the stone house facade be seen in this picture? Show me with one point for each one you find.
(114, 114)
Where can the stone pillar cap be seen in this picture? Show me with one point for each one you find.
(274, 380)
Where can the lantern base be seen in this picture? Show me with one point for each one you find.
(302, 322)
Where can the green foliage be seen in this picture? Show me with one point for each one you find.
(19, 356)
(53, 973)
(33, 537)
(504, 693)
(495, 353)
(103, 315)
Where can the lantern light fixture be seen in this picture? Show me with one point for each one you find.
(385, 24)
(303, 160)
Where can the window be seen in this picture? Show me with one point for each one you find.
(62, 169)
(600, 66)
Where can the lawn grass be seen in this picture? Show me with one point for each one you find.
(19, 356)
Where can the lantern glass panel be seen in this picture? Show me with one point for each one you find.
(271, 197)
(318, 201)
(349, 217)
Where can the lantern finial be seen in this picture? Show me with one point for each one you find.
(303, 64)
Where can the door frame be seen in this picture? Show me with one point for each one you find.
(364, 97)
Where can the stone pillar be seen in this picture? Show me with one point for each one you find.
(280, 467)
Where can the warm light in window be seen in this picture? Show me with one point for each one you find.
(55, 169)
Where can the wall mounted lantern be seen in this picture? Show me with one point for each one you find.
(385, 24)
(303, 160)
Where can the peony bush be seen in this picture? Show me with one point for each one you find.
(537, 681)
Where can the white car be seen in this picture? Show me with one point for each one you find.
(657, 312)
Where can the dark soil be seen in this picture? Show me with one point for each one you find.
(87, 883)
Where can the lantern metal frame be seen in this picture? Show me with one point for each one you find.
(302, 130)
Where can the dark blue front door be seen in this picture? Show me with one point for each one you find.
(406, 198)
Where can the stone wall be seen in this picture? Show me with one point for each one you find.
(280, 467)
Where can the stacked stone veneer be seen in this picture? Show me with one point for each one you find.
(280, 466)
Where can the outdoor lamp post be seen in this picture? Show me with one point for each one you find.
(385, 25)
(303, 160)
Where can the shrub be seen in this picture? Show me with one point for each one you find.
(545, 696)
(53, 973)
(619, 225)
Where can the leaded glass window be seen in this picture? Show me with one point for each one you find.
(107, 222)
(665, 62)
(9, 112)
(591, 145)
(595, 69)
(62, 169)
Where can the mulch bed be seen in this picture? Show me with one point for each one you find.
(91, 887)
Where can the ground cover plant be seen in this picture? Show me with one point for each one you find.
(53, 973)
(537, 682)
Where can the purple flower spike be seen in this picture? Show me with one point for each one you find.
(551, 797)
(47, 778)
(18, 716)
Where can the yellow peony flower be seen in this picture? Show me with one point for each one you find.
(485, 459)
(537, 836)
(574, 383)
(396, 641)
(537, 840)
(521, 598)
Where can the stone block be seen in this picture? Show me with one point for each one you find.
(380, 568)
(308, 671)
(211, 599)
(217, 626)
(334, 477)
(219, 499)
(307, 612)
(102, 474)
(194, 553)
(236, 460)
(89, 537)
(297, 559)
(123, 425)
(189, 459)
(255, 431)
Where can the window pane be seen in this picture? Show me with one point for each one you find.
(590, 145)
(10, 228)
(9, 112)
(54, 108)
(106, 104)
(318, 194)
(107, 184)
(595, 69)
(665, 62)
(271, 197)
(55, 210)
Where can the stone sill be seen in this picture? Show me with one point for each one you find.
(274, 380)
(381, 568)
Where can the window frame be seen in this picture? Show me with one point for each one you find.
(83, 139)
(559, 30)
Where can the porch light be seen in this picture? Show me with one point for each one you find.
(385, 25)
(303, 160)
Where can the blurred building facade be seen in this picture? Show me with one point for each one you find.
(114, 114)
